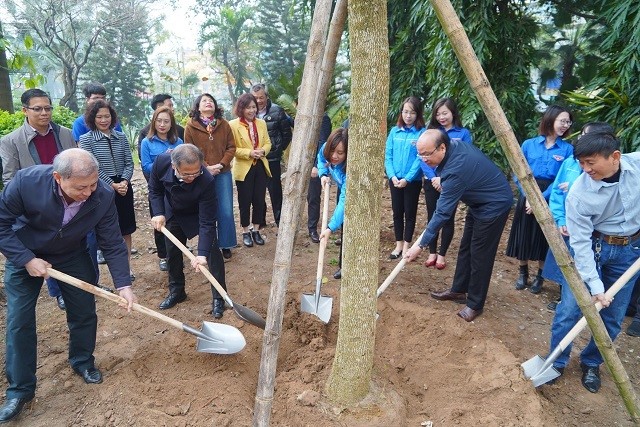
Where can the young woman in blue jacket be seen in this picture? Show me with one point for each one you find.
(444, 116)
(402, 166)
(545, 154)
(332, 165)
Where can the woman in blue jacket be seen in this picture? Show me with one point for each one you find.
(402, 166)
(444, 116)
(545, 154)
(332, 165)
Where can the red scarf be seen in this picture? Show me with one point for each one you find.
(252, 129)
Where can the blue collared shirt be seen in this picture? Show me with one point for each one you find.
(545, 162)
(610, 208)
(401, 156)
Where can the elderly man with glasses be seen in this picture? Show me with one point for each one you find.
(183, 199)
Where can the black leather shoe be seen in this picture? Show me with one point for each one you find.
(553, 305)
(91, 375)
(12, 408)
(536, 285)
(60, 302)
(218, 308)
(226, 253)
(634, 328)
(172, 299)
(338, 274)
(313, 235)
(247, 240)
(257, 238)
(163, 264)
(590, 377)
(522, 281)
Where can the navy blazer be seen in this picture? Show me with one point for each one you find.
(31, 213)
(193, 205)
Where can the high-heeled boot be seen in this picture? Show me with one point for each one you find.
(523, 278)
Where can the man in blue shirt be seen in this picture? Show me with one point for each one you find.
(466, 174)
(603, 221)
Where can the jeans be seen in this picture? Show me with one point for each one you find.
(22, 292)
(226, 221)
(614, 261)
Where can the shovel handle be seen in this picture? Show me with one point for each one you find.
(396, 270)
(618, 284)
(203, 269)
(325, 221)
(111, 297)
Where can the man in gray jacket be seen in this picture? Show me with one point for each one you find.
(37, 141)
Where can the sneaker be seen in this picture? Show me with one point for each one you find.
(101, 259)
(164, 266)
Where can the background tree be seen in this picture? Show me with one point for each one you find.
(6, 100)
(351, 372)
(120, 61)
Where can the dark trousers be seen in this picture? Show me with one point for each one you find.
(274, 185)
(22, 292)
(404, 203)
(313, 203)
(158, 238)
(175, 261)
(431, 196)
(251, 193)
(476, 256)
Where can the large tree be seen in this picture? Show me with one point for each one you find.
(120, 61)
(6, 101)
(351, 372)
(69, 30)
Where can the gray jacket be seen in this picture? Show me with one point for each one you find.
(18, 152)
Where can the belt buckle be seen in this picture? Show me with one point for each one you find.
(619, 240)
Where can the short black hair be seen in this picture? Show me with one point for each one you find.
(92, 88)
(33, 93)
(596, 143)
(159, 99)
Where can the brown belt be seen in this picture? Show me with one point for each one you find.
(616, 240)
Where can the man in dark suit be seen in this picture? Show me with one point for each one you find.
(46, 212)
(183, 198)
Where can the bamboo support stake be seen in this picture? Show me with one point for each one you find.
(478, 80)
(312, 98)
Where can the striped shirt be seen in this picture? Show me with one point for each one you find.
(113, 154)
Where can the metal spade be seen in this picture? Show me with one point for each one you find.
(215, 338)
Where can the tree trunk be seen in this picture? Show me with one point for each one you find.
(478, 80)
(6, 100)
(305, 135)
(350, 377)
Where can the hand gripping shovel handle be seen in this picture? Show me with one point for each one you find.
(112, 297)
(396, 270)
(203, 269)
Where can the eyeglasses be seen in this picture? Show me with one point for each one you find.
(188, 175)
(40, 109)
(163, 121)
(426, 156)
(409, 113)
(565, 122)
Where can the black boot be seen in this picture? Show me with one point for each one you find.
(257, 237)
(536, 284)
(523, 278)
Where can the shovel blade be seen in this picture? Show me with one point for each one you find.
(535, 370)
(219, 339)
(318, 306)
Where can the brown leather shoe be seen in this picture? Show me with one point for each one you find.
(469, 314)
(459, 297)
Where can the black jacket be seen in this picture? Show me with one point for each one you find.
(279, 128)
(31, 213)
(194, 206)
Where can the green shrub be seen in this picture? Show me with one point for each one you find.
(10, 122)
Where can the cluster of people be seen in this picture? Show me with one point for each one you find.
(68, 204)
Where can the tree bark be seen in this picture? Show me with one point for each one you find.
(350, 378)
(305, 135)
(473, 69)
(6, 100)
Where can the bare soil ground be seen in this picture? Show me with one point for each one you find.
(430, 365)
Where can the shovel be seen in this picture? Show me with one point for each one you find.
(319, 305)
(243, 313)
(541, 371)
(396, 270)
(215, 338)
